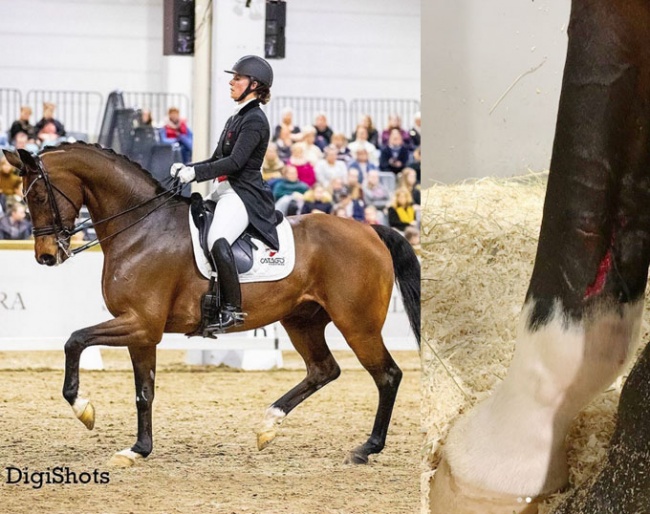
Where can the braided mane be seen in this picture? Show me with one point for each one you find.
(110, 151)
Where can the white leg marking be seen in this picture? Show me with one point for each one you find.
(128, 453)
(272, 418)
(513, 442)
(79, 406)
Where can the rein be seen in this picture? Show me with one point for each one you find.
(63, 234)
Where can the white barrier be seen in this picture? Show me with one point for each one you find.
(41, 306)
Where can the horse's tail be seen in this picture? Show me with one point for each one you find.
(407, 273)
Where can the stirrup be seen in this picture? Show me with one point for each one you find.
(228, 317)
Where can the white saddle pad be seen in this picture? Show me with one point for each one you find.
(268, 264)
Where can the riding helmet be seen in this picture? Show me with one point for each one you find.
(254, 67)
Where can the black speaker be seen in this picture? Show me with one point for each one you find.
(276, 20)
(178, 33)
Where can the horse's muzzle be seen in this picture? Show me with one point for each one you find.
(47, 259)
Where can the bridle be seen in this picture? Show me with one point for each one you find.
(63, 234)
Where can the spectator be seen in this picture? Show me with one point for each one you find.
(312, 151)
(15, 225)
(371, 216)
(23, 142)
(146, 120)
(272, 165)
(323, 132)
(374, 192)
(288, 192)
(337, 188)
(286, 123)
(361, 164)
(353, 206)
(354, 185)
(414, 133)
(395, 122)
(393, 156)
(330, 167)
(48, 128)
(412, 235)
(9, 179)
(401, 213)
(284, 143)
(409, 180)
(373, 134)
(305, 169)
(415, 162)
(175, 130)
(341, 143)
(341, 212)
(317, 200)
(22, 124)
(15, 197)
(361, 143)
(289, 184)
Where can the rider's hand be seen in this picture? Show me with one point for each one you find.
(184, 173)
(176, 167)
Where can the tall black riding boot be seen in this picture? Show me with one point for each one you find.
(230, 314)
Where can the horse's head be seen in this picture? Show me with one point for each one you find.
(54, 200)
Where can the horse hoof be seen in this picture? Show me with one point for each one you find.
(265, 438)
(124, 459)
(447, 494)
(85, 412)
(356, 458)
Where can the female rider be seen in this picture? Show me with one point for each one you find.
(241, 196)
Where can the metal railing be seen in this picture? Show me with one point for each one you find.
(305, 110)
(79, 111)
(158, 104)
(10, 102)
(380, 109)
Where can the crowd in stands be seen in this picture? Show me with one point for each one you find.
(372, 177)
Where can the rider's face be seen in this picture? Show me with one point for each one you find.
(238, 85)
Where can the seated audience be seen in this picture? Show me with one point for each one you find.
(48, 128)
(289, 183)
(22, 124)
(323, 131)
(408, 179)
(312, 152)
(175, 130)
(361, 143)
(353, 206)
(14, 224)
(371, 216)
(401, 213)
(341, 212)
(317, 200)
(286, 123)
(146, 120)
(284, 144)
(415, 162)
(330, 167)
(341, 143)
(23, 142)
(336, 189)
(272, 165)
(374, 192)
(373, 134)
(393, 156)
(412, 235)
(361, 164)
(9, 179)
(395, 122)
(354, 184)
(299, 161)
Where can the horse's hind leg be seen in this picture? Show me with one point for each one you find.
(374, 357)
(308, 337)
(144, 371)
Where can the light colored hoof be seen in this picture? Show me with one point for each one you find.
(447, 495)
(124, 459)
(85, 412)
(265, 438)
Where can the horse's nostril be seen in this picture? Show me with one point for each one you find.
(47, 259)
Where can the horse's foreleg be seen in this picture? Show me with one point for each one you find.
(144, 371)
(308, 337)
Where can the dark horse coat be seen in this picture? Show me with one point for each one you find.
(238, 156)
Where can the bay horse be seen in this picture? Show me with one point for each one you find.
(344, 273)
(581, 319)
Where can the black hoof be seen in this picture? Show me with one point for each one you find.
(356, 457)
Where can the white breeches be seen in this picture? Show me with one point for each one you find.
(230, 215)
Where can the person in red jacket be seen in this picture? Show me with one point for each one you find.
(176, 130)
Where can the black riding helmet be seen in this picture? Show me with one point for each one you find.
(256, 68)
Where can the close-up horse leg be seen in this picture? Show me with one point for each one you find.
(307, 335)
(143, 359)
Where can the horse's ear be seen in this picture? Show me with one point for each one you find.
(29, 160)
(14, 160)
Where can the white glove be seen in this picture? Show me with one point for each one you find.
(176, 167)
(185, 174)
